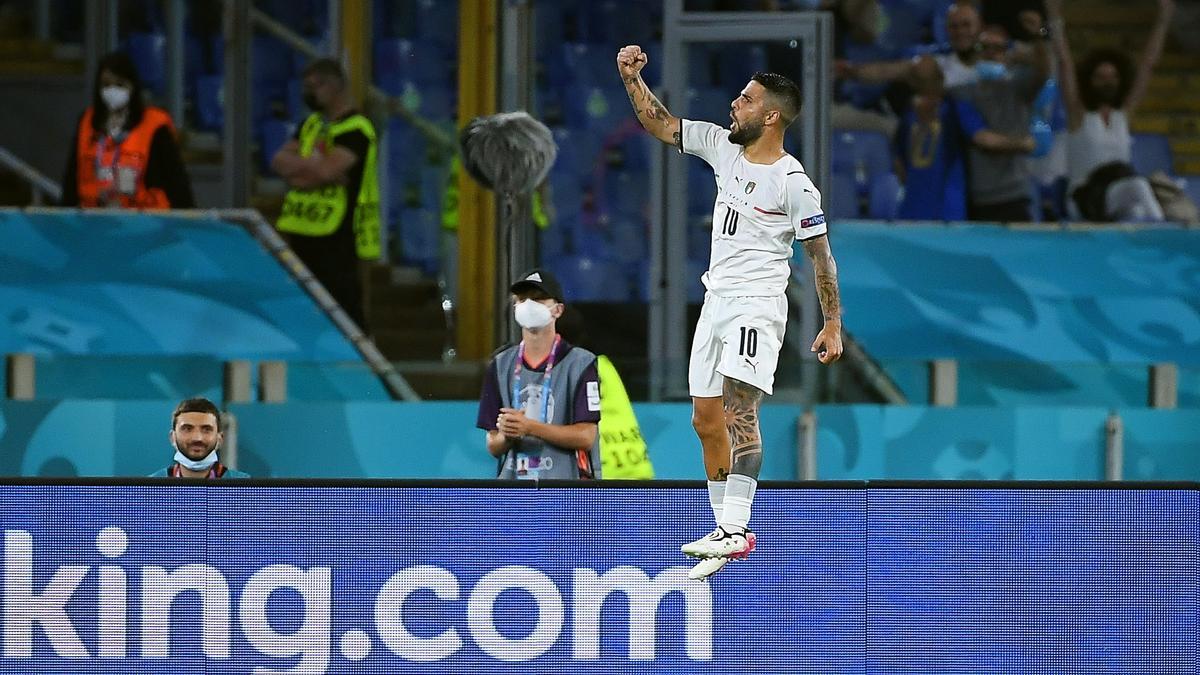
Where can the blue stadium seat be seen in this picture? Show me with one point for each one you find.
(737, 62)
(272, 134)
(552, 242)
(209, 114)
(419, 232)
(272, 63)
(885, 196)
(710, 103)
(861, 154)
(591, 279)
(1152, 152)
(420, 61)
(843, 203)
(695, 287)
(148, 52)
(701, 188)
(589, 64)
(595, 108)
(699, 236)
(625, 193)
(578, 153)
(629, 237)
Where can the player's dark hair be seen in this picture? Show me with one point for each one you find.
(326, 67)
(196, 405)
(1094, 59)
(785, 92)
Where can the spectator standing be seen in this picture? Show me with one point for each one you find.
(996, 112)
(124, 153)
(331, 213)
(1100, 97)
(930, 158)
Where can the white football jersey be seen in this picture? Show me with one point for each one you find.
(760, 210)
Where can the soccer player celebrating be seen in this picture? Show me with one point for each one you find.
(765, 201)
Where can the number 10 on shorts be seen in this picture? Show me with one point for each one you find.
(749, 342)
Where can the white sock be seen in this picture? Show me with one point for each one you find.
(739, 495)
(716, 497)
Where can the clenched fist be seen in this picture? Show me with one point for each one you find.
(630, 61)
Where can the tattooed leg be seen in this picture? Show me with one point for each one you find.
(741, 418)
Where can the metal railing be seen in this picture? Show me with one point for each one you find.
(41, 186)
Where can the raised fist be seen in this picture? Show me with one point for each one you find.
(630, 61)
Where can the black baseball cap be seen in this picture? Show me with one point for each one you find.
(539, 279)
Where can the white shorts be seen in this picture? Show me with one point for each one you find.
(739, 338)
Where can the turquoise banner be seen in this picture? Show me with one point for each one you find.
(1033, 317)
(129, 284)
(439, 440)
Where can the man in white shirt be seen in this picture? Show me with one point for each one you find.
(765, 202)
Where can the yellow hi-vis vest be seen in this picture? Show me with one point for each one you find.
(319, 212)
(622, 449)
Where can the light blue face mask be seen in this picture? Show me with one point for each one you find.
(991, 70)
(203, 464)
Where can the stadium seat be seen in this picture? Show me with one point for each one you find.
(843, 203)
(399, 60)
(148, 52)
(419, 233)
(701, 188)
(589, 64)
(624, 193)
(209, 114)
(629, 238)
(272, 134)
(1152, 152)
(710, 103)
(591, 279)
(862, 155)
(885, 196)
(738, 61)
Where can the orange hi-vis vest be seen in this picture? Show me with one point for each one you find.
(118, 169)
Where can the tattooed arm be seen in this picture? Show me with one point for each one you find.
(741, 418)
(828, 344)
(650, 112)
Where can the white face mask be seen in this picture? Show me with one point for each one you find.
(532, 314)
(116, 98)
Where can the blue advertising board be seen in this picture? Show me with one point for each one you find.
(276, 579)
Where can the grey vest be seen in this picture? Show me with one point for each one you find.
(532, 457)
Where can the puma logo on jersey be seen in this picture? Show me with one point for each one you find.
(753, 365)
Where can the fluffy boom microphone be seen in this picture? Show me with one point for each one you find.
(510, 154)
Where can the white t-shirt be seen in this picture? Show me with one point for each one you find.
(954, 71)
(760, 210)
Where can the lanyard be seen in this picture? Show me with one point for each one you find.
(116, 159)
(516, 397)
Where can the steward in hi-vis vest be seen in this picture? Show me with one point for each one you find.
(124, 153)
(330, 216)
(319, 212)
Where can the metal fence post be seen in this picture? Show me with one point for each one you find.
(806, 461)
(272, 381)
(1164, 385)
(236, 382)
(943, 382)
(229, 448)
(1114, 447)
(21, 376)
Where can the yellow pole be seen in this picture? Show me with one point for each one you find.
(356, 46)
(477, 209)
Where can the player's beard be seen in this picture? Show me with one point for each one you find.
(746, 132)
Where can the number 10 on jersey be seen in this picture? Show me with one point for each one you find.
(729, 227)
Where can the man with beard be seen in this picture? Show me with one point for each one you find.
(765, 201)
(1100, 97)
(331, 213)
(196, 436)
